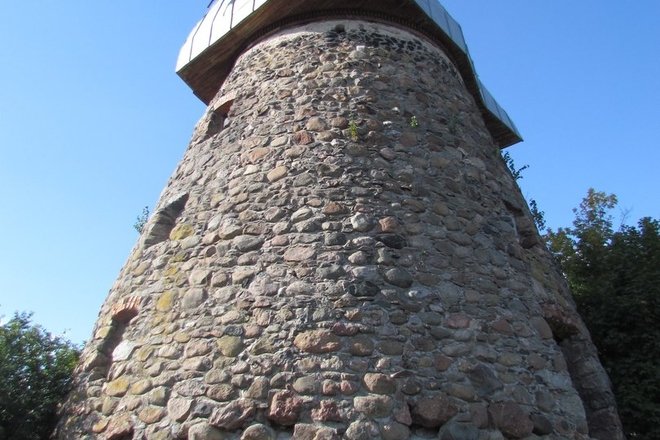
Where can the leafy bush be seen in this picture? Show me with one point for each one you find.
(141, 220)
(35, 375)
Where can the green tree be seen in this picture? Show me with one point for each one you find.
(35, 375)
(615, 279)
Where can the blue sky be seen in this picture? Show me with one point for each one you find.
(93, 120)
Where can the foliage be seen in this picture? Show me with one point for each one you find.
(615, 278)
(35, 368)
(353, 130)
(515, 172)
(414, 123)
(537, 215)
(141, 220)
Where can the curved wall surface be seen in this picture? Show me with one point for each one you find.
(341, 253)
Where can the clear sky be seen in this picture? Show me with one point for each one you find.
(93, 120)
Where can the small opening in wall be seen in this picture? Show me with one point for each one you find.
(114, 338)
(218, 121)
(122, 313)
(219, 115)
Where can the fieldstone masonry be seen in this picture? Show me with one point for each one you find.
(344, 256)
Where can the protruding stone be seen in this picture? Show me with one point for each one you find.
(542, 426)
(204, 431)
(151, 414)
(233, 415)
(339, 122)
(388, 224)
(230, 345)
(411, 387)
(433, 412)
(99, 426)
(193, 298)
(303, 138)
(117, 387)
(361, 430)
(258, 389)
(328, 411)
(158, 396)
(361, 345)
(140, 387)
(373, 406)
(317, 341)
(510, 418)
(258, 432)
(119, 427)
(181, 231)
(221, 392)
(394, 241)
(399, 277)
(299, 253)
(198, 348)
(301, 214)
(387, 153)
(258, 153)
(178, 409)
(123, 351)
(316, 124)
(190, 388)
(243, 274)
(379, 383)
(276, 174)
(246, 243)
(264, 345)
(394, 431)
(307, 431)
(361, 222)
(306, 385)
(542, 327)
(348, 388)
(402, 415)
(165, 301)
(334, 208)
(484, 380)
(455, 430)
(458, 320)
(390, 348)
(229, 229)
(285, 408)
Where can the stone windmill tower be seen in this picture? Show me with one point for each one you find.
(341, 253)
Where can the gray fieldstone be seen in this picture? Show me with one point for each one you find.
(123, 351)
(233, 415)
(361, 222)
(373, 406)
(203, 431)
(433, 412)
(258, 432)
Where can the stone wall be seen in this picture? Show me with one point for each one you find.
(341, 253)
